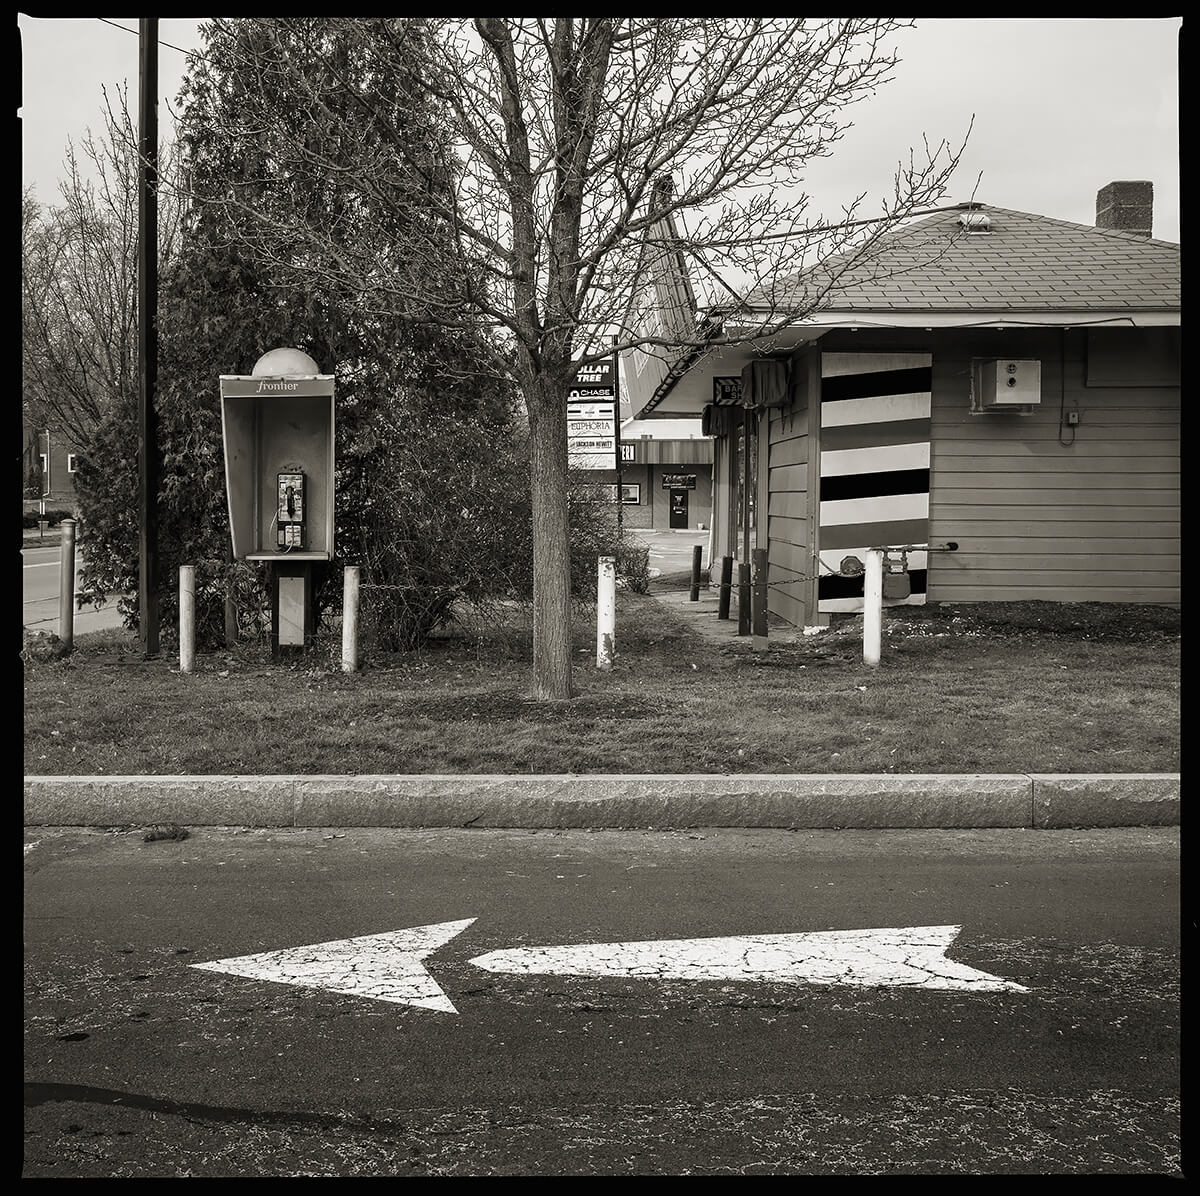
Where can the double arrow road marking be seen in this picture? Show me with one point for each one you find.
(391, 967)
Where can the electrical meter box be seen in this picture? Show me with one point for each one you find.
(1008, 383)
(277, 428)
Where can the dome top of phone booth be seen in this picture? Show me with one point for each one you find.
(285, 363)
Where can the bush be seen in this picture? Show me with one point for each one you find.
(633, 564)
(595, 533)
(432, 491)
(427, 562)
(29, 519)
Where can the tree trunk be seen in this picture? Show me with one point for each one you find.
(551, 542)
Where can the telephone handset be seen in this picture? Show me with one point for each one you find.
(290, 519)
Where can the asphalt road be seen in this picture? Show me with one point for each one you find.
(672, 551)
(139, 1064)
(41, 570)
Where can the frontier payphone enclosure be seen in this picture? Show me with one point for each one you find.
(277, 425)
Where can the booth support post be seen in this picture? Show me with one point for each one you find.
(292, 623)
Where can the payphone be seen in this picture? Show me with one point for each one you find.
(278, 431)
(290, 517)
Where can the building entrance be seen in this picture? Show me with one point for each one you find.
(678, 516)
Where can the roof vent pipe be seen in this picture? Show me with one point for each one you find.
(975, 222)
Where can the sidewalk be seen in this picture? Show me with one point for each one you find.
(701, 616)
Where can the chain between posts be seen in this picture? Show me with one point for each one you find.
(950, 546)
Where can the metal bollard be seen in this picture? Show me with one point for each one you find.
(743, 598)
(350, 585)
(66, 585)
(606, 611)
(759, 599)
(187, 618)
(725, 588)
(697, 550)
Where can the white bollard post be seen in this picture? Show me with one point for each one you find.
(66, 585)
(872, 606)
(606, 612)
(350, 581)
(187, 618)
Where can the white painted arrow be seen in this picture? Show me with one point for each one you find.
(384, 967)
(390, 967)
(908, 957)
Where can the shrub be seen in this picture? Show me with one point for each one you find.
(30, 519)
(594, 533)
(633, 564)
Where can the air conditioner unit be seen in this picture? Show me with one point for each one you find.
(716, 421)
(1008, 383)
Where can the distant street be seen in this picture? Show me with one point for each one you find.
(468, 1002)
(671, 551)
(40, 577)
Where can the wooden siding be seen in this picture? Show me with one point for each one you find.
(1043, 511)
(785, 598)
(788, 524)
(1039, 510)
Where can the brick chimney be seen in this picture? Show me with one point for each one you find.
(1126, 207)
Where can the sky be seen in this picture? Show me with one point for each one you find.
(1061, 107)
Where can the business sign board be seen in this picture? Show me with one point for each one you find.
(592, 434)
(727, 392)
(679, 481)
(242, 386)
(598, 379)
(593, 429)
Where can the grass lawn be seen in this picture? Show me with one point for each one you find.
(992, 687)
(32, 538)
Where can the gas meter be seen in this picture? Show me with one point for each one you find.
(896, 580)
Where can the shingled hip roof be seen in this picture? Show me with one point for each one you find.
(1019, 263)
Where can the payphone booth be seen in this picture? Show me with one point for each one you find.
(277, 428)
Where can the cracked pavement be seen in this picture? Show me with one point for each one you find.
(138, 1063)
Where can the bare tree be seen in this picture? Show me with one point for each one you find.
(576, 142)
(79, 281)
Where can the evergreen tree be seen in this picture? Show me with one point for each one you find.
(424, 435)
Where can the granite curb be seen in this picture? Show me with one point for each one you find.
(633, 801)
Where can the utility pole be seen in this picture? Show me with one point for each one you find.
(147, 273)
(616, 373)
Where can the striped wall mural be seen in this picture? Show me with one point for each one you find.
(874, 472)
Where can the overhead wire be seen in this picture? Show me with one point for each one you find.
(135, 33)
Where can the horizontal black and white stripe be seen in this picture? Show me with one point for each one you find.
(874, 473)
